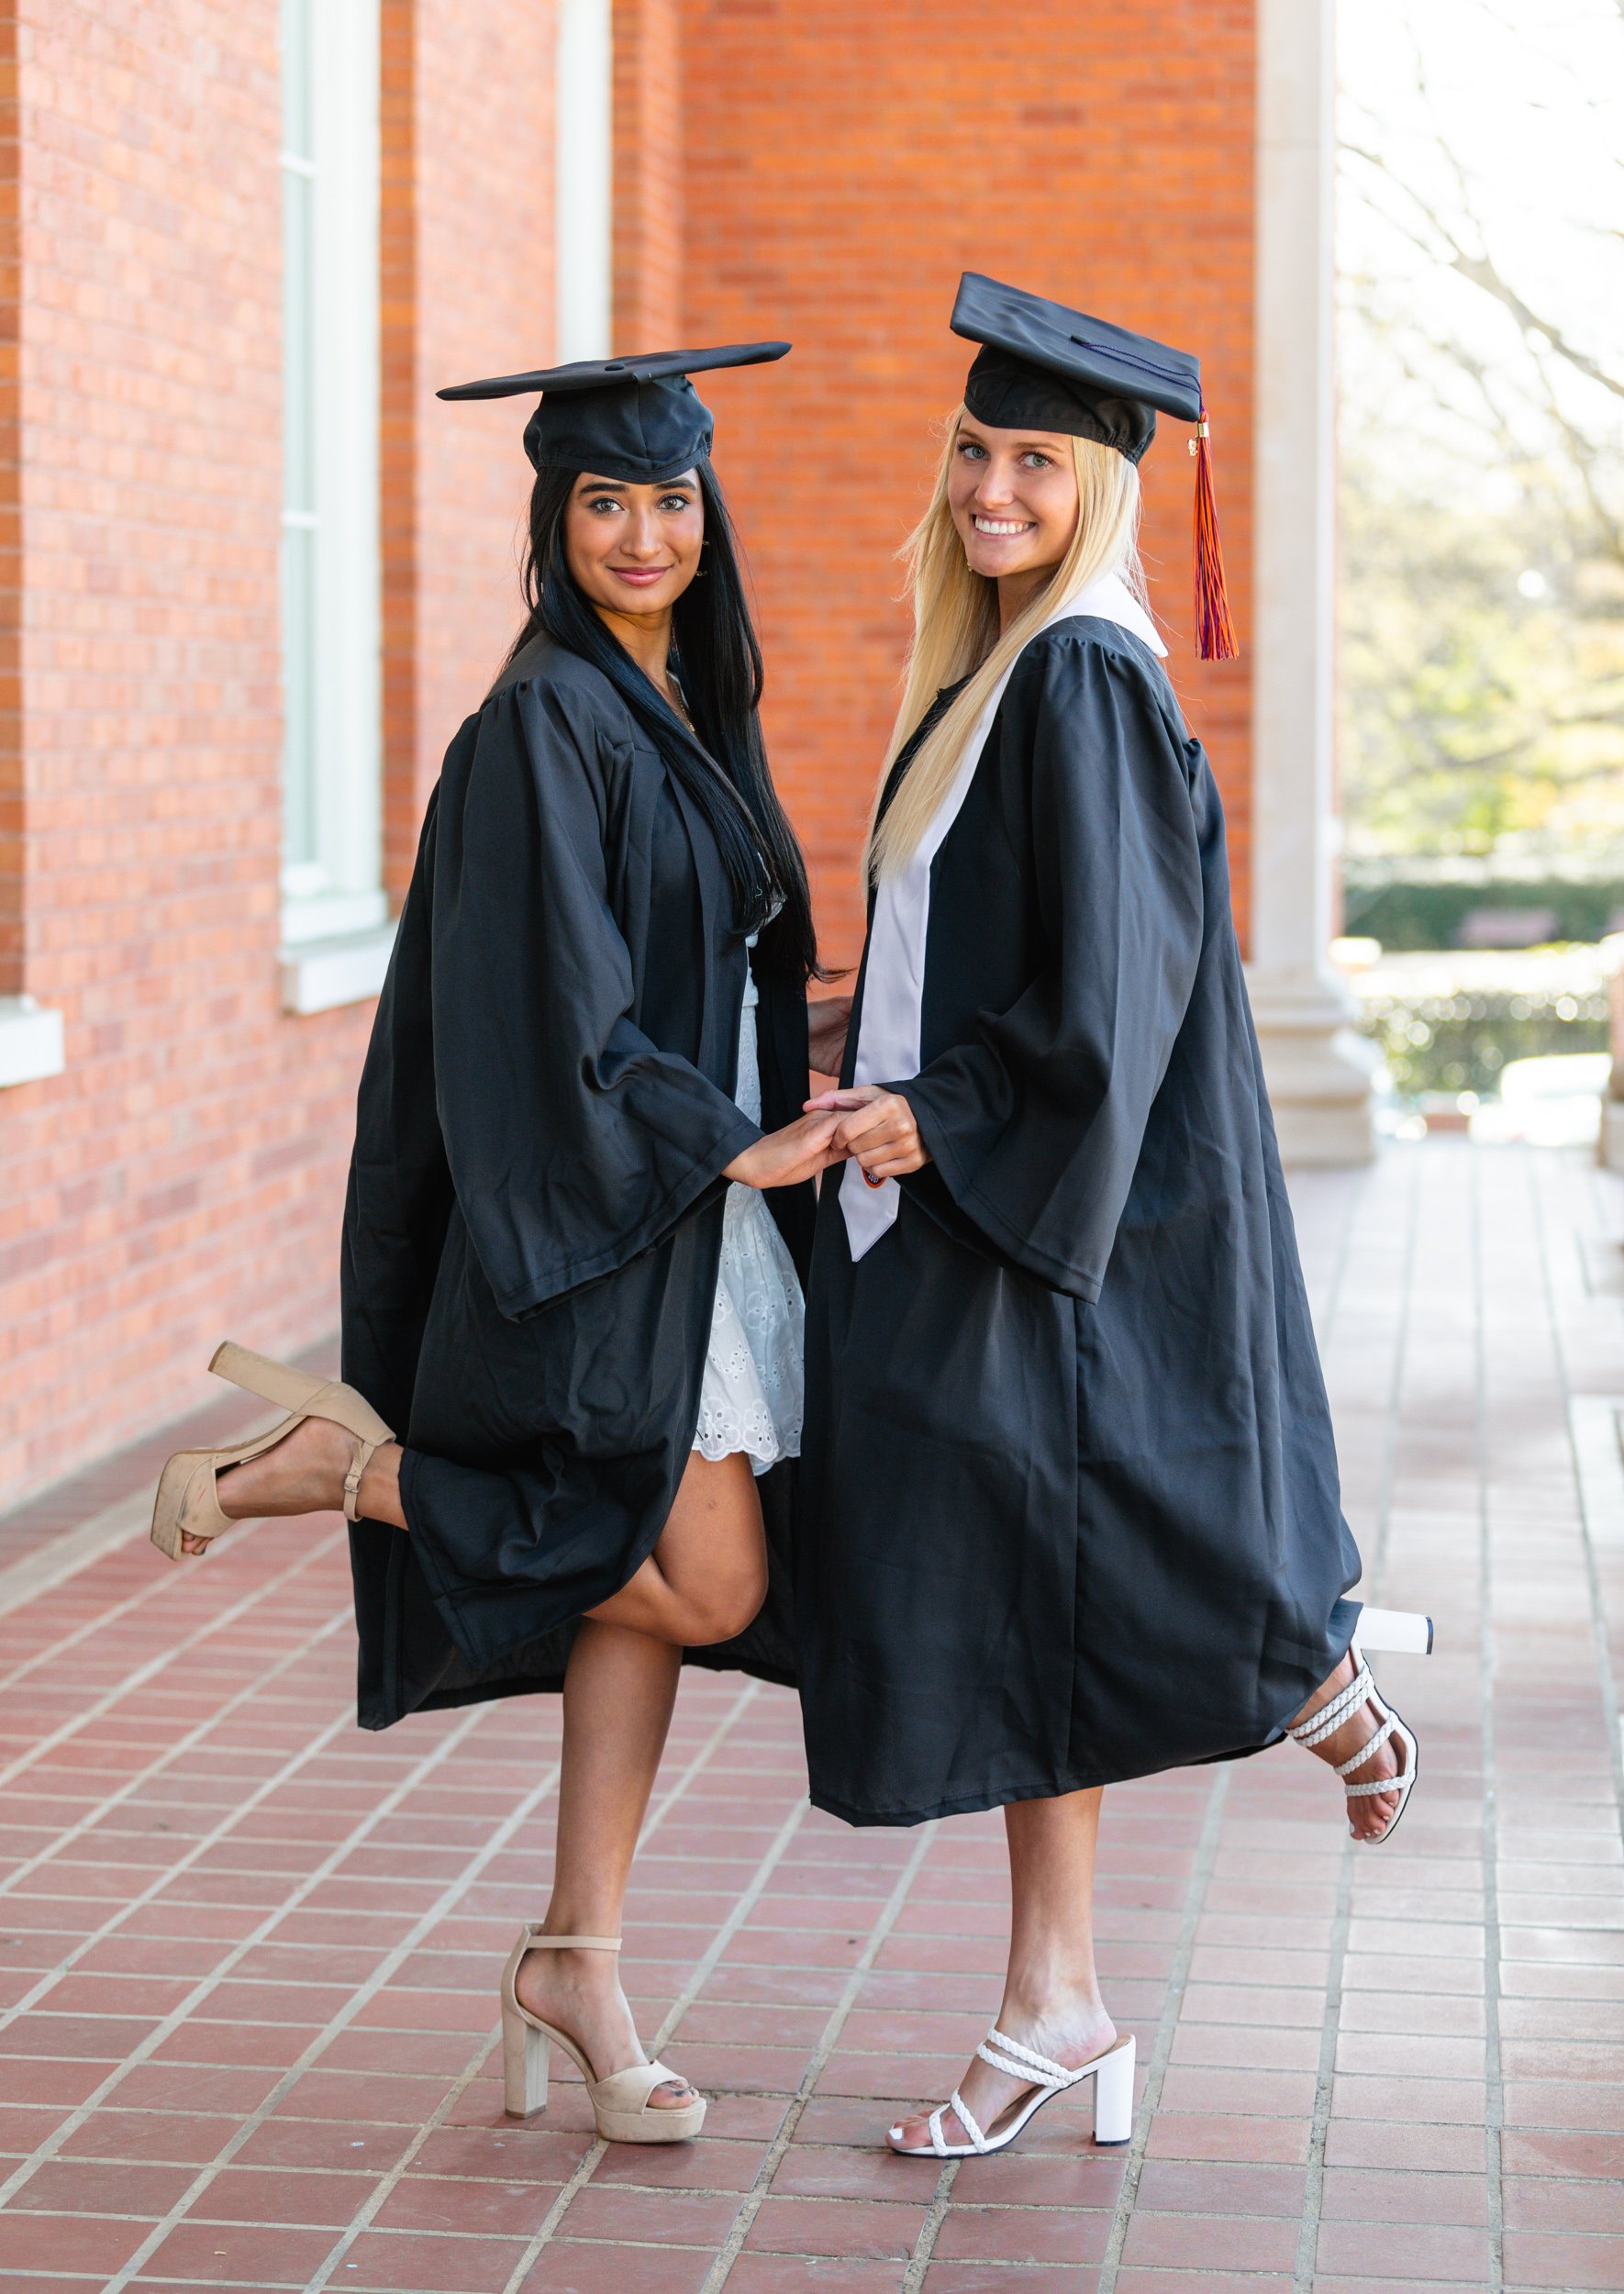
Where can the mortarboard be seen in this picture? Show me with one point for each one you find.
(637, 419)
(1045, 367)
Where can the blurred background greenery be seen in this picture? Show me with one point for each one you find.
(1481, 243)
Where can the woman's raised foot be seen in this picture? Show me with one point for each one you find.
(1371, 1815)
(329, 1450)
(303, 1473)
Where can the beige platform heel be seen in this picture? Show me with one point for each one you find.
(187, 1504)
(620, 2103)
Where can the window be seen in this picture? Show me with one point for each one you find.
(330, 560)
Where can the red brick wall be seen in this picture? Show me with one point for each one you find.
(183, 1178)
(11, 742)
(482, 303)
(842, 164)
(819, 172)
(648, 113)
(182, 1175)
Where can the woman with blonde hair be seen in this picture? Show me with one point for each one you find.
(1072, 1500)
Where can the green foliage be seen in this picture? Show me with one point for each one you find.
(1462, 1043)
(1406, 911)
(1482, 429)
(1477, 717)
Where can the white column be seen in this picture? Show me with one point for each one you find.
(585, 161)
(1317, 1070)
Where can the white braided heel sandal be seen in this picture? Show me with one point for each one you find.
(1361, 1690)
(620, 2106)
(1112, 2074)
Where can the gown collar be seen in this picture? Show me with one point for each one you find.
(1109, 598)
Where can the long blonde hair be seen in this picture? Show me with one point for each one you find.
(956, 630)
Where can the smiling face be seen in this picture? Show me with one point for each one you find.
(634, 549)
(1013, 494)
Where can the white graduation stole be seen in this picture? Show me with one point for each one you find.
(894, 987)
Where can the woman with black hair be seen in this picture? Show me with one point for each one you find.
(564, 1280)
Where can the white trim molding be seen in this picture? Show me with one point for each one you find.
(584, 179)
(333, 915)
(321, 974)
(1318, 1071)
(30, 1041)
(332, 565)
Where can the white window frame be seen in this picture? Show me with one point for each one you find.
(583, 153)
(30, 1041)
(332, 580)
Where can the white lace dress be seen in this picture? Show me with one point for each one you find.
(751, 1399)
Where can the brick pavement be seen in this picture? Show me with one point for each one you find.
(247, 1956)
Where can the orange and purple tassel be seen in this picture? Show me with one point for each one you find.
(1215, 632)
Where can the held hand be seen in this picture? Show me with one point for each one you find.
(828, 1018)
(800, 1151)
(876, 1129)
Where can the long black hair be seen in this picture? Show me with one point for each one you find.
(718, 661)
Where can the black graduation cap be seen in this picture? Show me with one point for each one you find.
(1043, 367)
(636, 419)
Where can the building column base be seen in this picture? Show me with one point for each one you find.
(1609, 1146)
(1317, 1070)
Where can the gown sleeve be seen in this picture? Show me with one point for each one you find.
(1035, 1125)
(574, 1142)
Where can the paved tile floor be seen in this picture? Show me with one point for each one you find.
(246, 1955)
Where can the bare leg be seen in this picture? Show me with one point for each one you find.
(1370, 1817)
(707, 1577)
(1052, 2000)
(704, 1582)
(618, 1693)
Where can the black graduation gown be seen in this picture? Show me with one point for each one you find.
(1071, 1508)
(534, 1216)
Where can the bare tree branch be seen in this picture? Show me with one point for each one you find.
(1466, 715)
(1584, 459)
(1482, 271)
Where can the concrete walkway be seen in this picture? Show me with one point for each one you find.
(246, 1955)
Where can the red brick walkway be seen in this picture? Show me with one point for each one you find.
(246, 1955)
